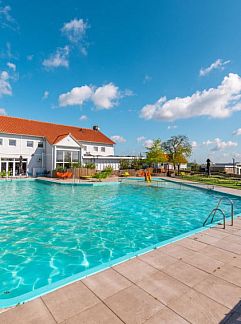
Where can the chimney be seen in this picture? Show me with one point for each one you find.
(96, 128)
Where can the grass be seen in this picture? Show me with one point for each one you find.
(215, 180)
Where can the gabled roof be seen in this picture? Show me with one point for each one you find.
(20, 126)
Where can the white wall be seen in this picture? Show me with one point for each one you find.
(109, 149)
(34, 155)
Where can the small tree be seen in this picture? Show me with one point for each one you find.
(124, 164)
(155, 154)
(178, 148)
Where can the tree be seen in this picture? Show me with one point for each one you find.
(155, 153)
(178, 149)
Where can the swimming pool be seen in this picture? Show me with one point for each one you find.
(51, 234)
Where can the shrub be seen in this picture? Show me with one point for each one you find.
(89, 165)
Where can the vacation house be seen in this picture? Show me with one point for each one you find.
(42, 146)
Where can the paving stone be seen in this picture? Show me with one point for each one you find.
(106, 283)
(199, 309)
(69, 300)
(166, 316)
(133, 305)
(157, 259)
(229, 273)
(220, 290)
(185, 273)
(163, 287)
(135, 269)
(176, 251)
(99, 314)
(33, 312)
(219, 254)
(203, 262)
(192, 244)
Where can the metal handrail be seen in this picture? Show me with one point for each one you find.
(231, 206)
(213, 212)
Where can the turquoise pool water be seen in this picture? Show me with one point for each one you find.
(50, 232)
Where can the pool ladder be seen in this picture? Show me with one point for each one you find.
(217, 208)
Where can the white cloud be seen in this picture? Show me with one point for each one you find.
(45, 95)
(220, 145)
(59, 59)
(218, 64)
(5, 86)
(3, 112)
(6, 19)
(83, 117)
(75, 30)
(194, 144)
(172, 127)
(118, 139)
(12, 66)
(140, 139)
(77, 96)
(148, 143)
(237, 132)
(218, 102)
(104, 97)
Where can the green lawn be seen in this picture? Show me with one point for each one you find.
(215, 180)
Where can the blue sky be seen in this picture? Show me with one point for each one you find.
(139, 69)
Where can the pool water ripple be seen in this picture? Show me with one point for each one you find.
(51, 232)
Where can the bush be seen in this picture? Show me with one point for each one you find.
(125, 164)
(108, 170)
(89, 165)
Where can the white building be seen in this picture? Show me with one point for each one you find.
(44, 146)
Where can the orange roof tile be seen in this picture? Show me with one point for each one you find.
(52, 132)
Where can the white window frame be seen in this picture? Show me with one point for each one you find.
(96, 149)
(31, 143)
(13, 140)
(102, 149)
(1, 141)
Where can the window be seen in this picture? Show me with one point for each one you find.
(84, 147)
(75, 156)
(60, 156)
(1, 141)
(96, 148)
(29, 143)
(40, 144)
(12, 142)
(103, 149)
(66, 158)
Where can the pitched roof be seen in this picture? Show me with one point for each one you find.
(20, 126)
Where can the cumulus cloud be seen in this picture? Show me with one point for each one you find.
(220, 145)
(12, 66)
(5, 86)
(83, 118)
(218, 102)
(118, 139)
(218, 64)
(45, 95)
(77, 96)
(3, 112)
(59, 59)
(104, 97)
(237, 132)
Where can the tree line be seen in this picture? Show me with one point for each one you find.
(175, 150)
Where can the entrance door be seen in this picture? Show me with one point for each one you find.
(10, 168)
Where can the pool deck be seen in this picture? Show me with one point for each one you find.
(194, 280)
